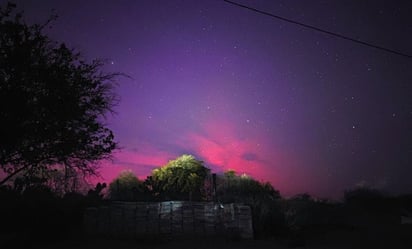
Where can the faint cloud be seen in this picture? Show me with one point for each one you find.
(248, 156)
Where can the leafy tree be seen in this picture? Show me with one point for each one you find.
(95, 195)
(52, 103)
(360, 194)
(126, 187)
(243, 188)
(368, 198)
(182, 178)
(260, 196)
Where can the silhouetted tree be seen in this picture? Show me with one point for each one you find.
(243, 188)
(126, 187)
(52, 103)
(362, 194)
(95, 196)
(182, 178)
(298, 211)
(65, 180)
(368, 198)
(260, 196)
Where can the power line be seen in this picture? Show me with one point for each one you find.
(319, 29)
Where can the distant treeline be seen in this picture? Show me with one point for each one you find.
(35, 212)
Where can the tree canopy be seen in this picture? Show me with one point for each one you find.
(52, 103)
(126, 186)
(183, 177)
(243, 188)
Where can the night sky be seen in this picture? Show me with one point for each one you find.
(307, 111)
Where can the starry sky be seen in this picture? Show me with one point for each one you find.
(304, 110)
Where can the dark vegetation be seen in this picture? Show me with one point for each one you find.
(52, 108)
(39, 216)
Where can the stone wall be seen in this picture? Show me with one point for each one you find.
(171, 218)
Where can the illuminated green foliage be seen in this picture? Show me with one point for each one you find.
(181, 178)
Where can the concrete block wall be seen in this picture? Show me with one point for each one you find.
(170, 218)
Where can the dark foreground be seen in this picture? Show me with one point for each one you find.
(399, 236)
(40, 220)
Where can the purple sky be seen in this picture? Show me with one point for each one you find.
(304, 110)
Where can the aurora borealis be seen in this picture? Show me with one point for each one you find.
(306, 111)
